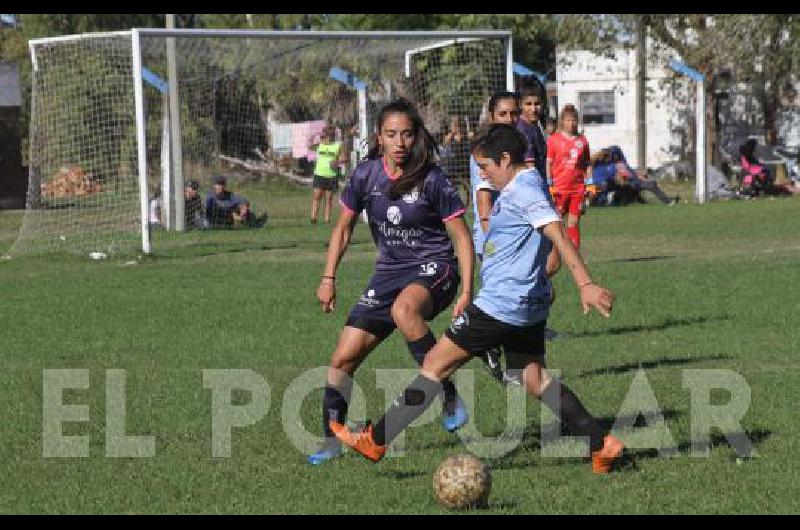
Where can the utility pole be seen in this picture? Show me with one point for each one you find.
(641, 92)
(178, 220)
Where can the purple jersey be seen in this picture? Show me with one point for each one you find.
(537, 147)
(409, 231)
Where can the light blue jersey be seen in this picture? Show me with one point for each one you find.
(515, 288)
(477, 183)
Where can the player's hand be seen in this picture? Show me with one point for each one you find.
(593, 295)
(326, 294)
(461, 304)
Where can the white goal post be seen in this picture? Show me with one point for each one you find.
(103, 105)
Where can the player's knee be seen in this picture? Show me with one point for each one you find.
(404, 312)
(345, 363)
(534, 388)
(534, 383)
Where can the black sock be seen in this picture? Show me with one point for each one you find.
(416, 398)
(419, 348)
(334, 405)
(573, 414)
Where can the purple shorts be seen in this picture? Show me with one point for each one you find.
(441, 278)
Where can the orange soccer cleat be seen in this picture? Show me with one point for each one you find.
(603, 459)
(362, 441)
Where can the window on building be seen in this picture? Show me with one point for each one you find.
(597, 107)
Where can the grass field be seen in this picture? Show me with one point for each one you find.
(715, 286)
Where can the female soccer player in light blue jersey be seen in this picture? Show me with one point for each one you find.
(511, 308)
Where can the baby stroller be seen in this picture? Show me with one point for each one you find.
(756, 178)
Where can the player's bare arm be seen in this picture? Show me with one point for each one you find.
(465, 250)
(483, 199)
(340, 238)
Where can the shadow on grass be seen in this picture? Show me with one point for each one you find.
(453, 441)
(402, 475)
(669, 323)
(639, 420)
(502, 505)
(754, 436)
(649, 365)
(739, 442)
(532, 439)
(641, 258)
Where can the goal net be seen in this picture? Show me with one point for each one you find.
(126, 126)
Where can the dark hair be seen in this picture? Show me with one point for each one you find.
(328, 130)
(502, 94)
(748, 150)
(531, 86)
(423, 152)
(551, 121)
(615, 154)
(531, 89)
(499, 138)
(603, 156)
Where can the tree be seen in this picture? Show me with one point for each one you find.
(767, 48)
(14, 48)
(759, 49)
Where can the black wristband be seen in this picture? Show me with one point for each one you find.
(329, 277)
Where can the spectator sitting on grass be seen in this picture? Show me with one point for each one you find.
(243, 217)
(220, 204)
(154, 209)
(610, 171)
(193, 206)
(757, 177)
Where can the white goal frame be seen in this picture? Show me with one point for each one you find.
(136, 34)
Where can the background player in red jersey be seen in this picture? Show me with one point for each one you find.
(567, 161)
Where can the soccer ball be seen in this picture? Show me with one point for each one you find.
(462, 481)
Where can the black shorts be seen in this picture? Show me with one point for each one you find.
(475, 331)
(373, 311)
(326, 183)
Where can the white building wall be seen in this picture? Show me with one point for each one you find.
(670, 106)
(666, 113)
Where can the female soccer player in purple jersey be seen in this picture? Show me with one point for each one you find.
(414, 212)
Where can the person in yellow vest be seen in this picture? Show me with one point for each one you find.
(326, 170)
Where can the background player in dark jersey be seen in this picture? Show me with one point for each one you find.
(414, 212)
(503, 107)
(532, 101)
(511, 308)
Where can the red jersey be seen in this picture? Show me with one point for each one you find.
(569, 159)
